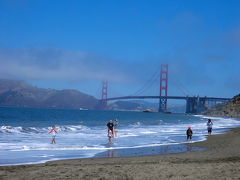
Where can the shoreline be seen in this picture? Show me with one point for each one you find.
(220, 160)
(148, 151)
(163, 149)
(220, 115)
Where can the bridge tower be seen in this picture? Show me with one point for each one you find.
(104, 94)
(163, 88)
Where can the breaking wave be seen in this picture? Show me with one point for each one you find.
(27, 130)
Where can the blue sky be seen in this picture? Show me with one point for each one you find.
(76, 44)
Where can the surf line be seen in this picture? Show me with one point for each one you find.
(96, 148)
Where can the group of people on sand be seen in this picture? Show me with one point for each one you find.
(189, 131)
(112, 131)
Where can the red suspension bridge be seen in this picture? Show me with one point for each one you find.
(194, 104)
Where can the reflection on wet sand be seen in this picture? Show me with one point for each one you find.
(166, 149)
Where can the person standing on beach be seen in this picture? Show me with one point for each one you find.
(209, 126)
(53, 131)
(110, 127)
(189, 133)
(116, 122)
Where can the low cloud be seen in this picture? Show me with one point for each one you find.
(50, 63)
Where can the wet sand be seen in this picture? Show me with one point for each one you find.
(221, 160)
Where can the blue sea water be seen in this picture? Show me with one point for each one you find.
(24, 134)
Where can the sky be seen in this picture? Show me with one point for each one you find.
(76, 44)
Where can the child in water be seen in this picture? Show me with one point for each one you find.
(189, 133)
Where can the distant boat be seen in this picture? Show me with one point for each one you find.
(82, 109)
(148, 110)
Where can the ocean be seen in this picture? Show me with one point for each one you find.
(24, 137)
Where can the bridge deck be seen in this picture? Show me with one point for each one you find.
(168, 97)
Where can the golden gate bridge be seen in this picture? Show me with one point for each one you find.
(194, 104)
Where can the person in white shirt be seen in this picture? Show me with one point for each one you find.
(209, 126)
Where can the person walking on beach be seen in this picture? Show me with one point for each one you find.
(189, 133)
(116, 122)
(53, 131)
(209, 126)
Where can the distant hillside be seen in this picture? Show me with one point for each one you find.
(124, 105)
(141, 105)
(228, 109)
(21, 94)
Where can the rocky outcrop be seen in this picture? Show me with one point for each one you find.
(228, 109)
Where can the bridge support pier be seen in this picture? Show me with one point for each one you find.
(191, 105)
(195, 105)
(103, 101)
(163, 88)
(162, 104)
(201, 105)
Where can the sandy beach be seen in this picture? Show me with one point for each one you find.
(220, 160)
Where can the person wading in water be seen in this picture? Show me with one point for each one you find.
(53, 132)
(189, 133)
(209, 126)
(110, 127)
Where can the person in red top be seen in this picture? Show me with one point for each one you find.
(53, 132)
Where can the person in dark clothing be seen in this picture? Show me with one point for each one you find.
(189, 133)
(110, 127)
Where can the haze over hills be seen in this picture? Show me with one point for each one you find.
(143, 105)
(17, 93)
(20, 94)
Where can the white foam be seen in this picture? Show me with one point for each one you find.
(127, 135)
(98, 148)
(148, 132)
(30, 130)
(137, 124)
(44, 155)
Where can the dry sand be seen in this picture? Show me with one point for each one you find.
(221, 160)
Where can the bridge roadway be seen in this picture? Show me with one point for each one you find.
(169, 97)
